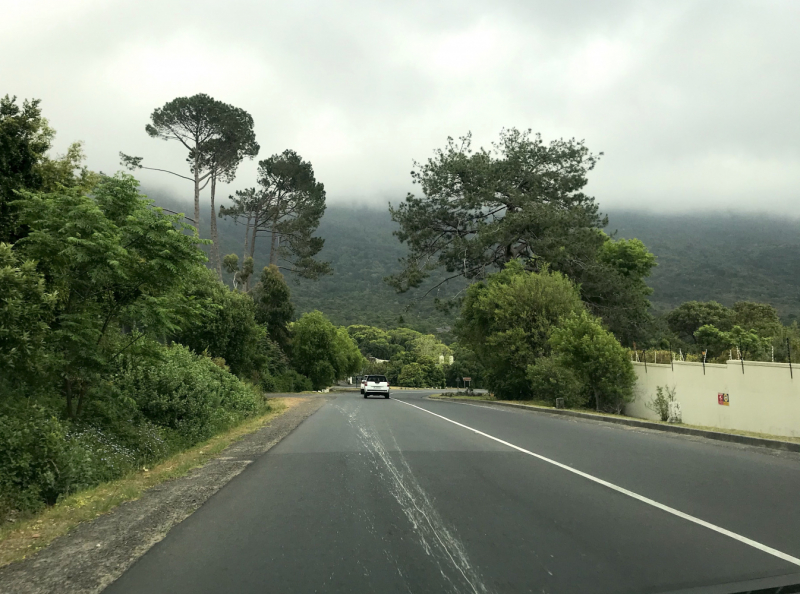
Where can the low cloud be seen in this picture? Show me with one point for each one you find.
(693, 104)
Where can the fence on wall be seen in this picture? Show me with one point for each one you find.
(761, 397)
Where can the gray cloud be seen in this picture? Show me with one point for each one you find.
(693, 103)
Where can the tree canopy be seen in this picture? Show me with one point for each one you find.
(274, 309)
(521, 200)
(686, 319)
(591, 352)
(25, 138)
(287, 207)
(218, 137)
(507, 321)
(112, 261)
(322, 351)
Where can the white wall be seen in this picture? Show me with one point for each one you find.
(763, 399)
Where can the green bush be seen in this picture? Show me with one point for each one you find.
(597, 359)
(288, 381)
(44, 457)
(412, 376)
(93, 457)
(549, 379)
(506, 322)
(114, 413)
(32, 457)
(188, 394)
(660, 403)
(148, 410)
(422, 373)
(323, 352)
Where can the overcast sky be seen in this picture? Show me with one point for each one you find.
(695, 104)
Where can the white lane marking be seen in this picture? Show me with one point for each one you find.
(624, 491)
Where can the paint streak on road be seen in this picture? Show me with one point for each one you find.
(437, 540)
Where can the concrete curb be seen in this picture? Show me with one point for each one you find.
(786, 446)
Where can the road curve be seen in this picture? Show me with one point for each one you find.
(414, 495)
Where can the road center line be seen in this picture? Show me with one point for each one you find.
(642, 498)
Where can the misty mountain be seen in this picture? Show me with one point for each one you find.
(726, 257)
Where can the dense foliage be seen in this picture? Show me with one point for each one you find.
(748, 330)
(406, 357)
(93, 289)
(596, 358)
(507, 320)
(535, 339)
(145, 410)
(322, 351)
(706, 256)
(118, 346)
(522, 201)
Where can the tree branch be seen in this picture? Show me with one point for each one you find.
(166, 171)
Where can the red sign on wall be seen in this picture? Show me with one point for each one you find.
(723, 399)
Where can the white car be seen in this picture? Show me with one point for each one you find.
(375, 384)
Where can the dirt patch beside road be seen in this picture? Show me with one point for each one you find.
(96, 553)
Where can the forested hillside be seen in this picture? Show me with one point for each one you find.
(723, 257)
(362, 251)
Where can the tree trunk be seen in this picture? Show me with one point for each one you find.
(253, 239)
(215, 259)
(273, 252)
(596, 400)
(246, 237)
(80, 401)
(197, 194)
(244, 254)
(68, 391)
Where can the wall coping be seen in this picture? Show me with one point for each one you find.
(688, 363)
(735, 362)
(763, 364)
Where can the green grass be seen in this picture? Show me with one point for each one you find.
(462, 396)
(28, 535)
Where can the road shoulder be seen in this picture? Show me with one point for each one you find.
(774, 444)
(94, 554)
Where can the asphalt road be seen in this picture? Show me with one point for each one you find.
(382, 496)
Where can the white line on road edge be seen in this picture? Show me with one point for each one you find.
(642, 498)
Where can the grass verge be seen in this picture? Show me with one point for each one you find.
(28, 535)
(462, 396)
(736, 432)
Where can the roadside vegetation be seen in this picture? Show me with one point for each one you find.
(23, 537)
(555, 307)
(119, 346)
(126, 338)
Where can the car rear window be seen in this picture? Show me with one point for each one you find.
(376, 378)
